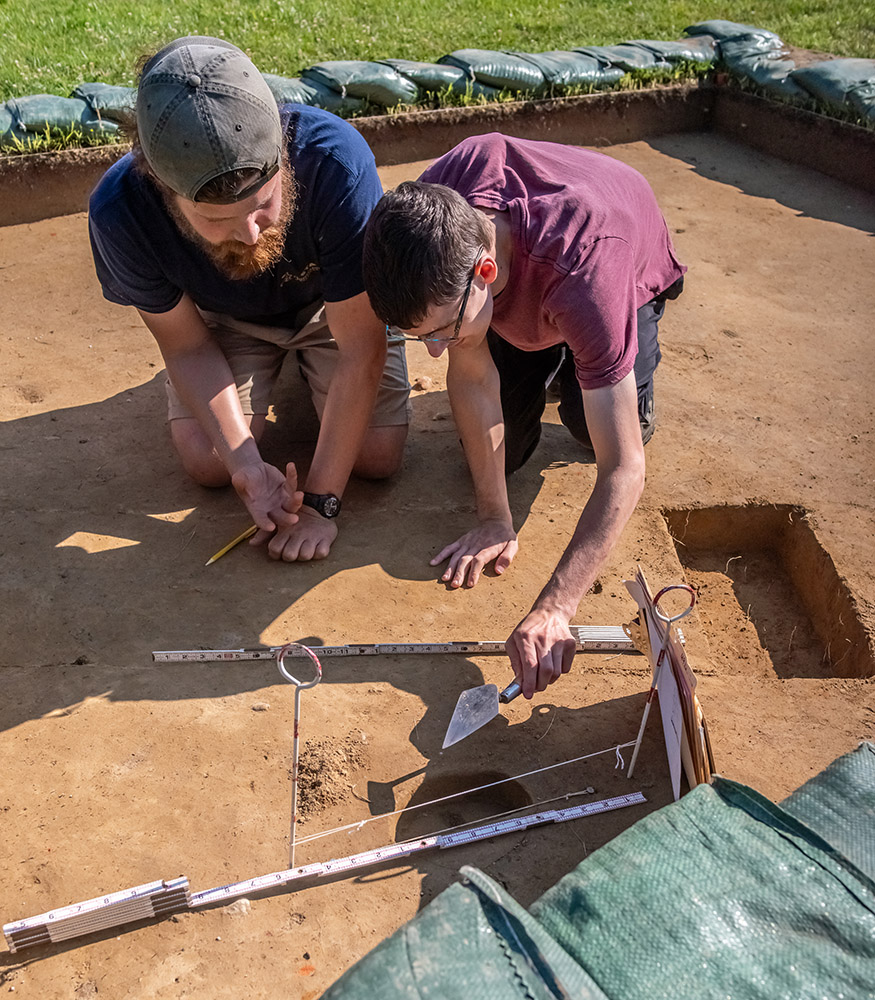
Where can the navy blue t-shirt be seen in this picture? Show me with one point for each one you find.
(143, 260)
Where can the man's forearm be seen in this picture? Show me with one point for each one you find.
(477, 414)
(349, 408)
(205, 384)
(606, 513)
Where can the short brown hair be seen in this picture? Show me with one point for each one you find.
(421, 243)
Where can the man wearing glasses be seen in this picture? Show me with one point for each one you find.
(531, 263)
(235, 229)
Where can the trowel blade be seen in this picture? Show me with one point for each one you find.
(474, 709)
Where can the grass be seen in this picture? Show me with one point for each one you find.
(49, 46)
(53, 139)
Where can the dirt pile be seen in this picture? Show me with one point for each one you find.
(326, 771)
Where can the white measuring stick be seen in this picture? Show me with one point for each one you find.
(155, 899)
(589, 638)
(322, 869)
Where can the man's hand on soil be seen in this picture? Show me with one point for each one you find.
(470, 554)
(273, 499)
(311, 538)
(541, 649)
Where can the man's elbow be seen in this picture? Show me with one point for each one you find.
(366, 367)
(636, 473)
(628, 476)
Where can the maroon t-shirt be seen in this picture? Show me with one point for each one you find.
(590, 246)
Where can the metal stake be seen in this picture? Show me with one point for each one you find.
(300, 686)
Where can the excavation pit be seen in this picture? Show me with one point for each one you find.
(103, 555)
(770, 596)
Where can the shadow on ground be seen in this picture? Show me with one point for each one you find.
(103, 547)
(721, 160)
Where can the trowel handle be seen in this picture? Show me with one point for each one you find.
(510, 692)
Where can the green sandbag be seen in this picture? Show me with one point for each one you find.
(568, 69)
(772, 75)
(289, 90)
(722, 894)
(832, 80)
(472, 941)
(107, 101)
(371, 81)
(762, 61)
(702, 49)
(722, 30)
(7, 127)
(839, 805)
(38, 112)
(862, 99)
(753, 45)
(330, 100)
(433, 78)
(503, 70)
(627, 56)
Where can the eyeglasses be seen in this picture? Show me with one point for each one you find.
(395, 335)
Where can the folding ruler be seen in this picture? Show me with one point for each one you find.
(162, 898)
(155, 899)
(396, 851)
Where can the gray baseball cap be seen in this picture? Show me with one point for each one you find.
(203, 109)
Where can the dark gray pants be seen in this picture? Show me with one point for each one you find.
(524, 376)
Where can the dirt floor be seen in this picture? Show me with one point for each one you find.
(120, 771)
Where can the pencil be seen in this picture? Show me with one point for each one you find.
(248, 533)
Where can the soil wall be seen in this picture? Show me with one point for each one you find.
(47, 185)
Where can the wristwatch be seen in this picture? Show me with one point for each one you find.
(326, 504)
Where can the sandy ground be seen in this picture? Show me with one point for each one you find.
(119, 771)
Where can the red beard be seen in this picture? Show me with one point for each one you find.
(241, 261)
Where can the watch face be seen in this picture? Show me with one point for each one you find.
(326, 504)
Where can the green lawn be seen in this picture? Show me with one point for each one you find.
(49, 46)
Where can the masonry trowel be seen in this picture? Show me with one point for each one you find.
(475, 708)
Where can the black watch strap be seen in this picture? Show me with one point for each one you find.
(326, 504)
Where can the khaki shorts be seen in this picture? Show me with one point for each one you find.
(255, 354)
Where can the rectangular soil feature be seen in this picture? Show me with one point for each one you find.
(770, 597)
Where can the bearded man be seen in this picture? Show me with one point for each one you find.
(235, 229)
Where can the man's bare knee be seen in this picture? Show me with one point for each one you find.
(211, 474)
(382, 452)
(196, 453)
(205, 468)
(375, 468)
